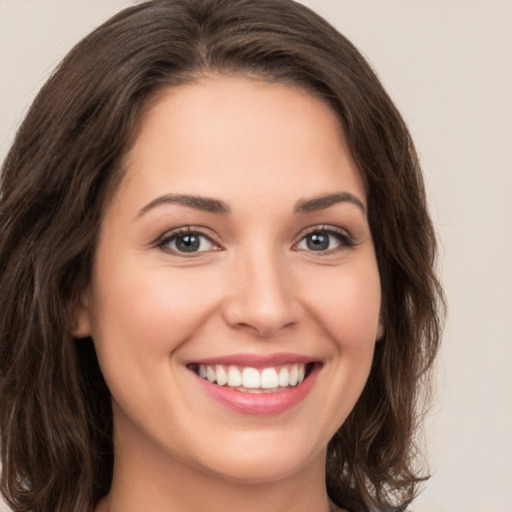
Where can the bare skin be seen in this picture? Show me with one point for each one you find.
(239, 232)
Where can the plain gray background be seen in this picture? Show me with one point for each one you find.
(448, 66)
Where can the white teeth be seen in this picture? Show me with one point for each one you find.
(222, 376)
(210, 374)
(269, 378)
(294, 375)
(253, 380)
(284, 376)
(302, 372)
(234, 377)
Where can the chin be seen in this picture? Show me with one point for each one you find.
(263, 463)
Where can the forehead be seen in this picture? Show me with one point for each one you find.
(221, 135)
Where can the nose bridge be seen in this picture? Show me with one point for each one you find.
(262, 297)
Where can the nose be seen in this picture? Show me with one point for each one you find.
(261, 298)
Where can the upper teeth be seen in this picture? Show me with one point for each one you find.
(253, 378)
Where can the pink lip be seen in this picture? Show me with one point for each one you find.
(256, 360)
(259, 403)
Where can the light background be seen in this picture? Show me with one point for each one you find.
(448, 66)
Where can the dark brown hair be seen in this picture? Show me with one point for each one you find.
(55, 412)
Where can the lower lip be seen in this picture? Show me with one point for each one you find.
(260, 403)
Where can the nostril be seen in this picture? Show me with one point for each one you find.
(263, 320)
(262, 297)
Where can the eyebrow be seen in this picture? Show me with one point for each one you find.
(211, 205)
(204, 204)
(326, 201)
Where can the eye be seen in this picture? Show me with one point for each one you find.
(187, 241)
(325, 239)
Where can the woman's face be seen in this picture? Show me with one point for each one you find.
(235, 297)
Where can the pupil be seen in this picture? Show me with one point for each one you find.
(318, 242)
(187, 243)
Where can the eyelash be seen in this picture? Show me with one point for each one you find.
(170, 237)
(345, 241)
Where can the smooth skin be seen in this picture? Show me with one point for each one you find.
(244, 269)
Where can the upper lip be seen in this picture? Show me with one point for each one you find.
(256, 360)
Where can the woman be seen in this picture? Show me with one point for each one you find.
(214, 227)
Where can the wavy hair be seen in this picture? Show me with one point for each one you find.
(65, 163)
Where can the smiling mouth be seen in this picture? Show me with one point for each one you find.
(246, 379)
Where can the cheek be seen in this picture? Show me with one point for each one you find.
(150, 310)
(347, 303)
(344, 303)
(141, 319)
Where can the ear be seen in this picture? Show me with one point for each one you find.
(82, 319)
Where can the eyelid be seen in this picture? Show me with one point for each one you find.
(347, 241)
(170, 234)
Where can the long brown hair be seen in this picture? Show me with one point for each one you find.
(55, 412)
